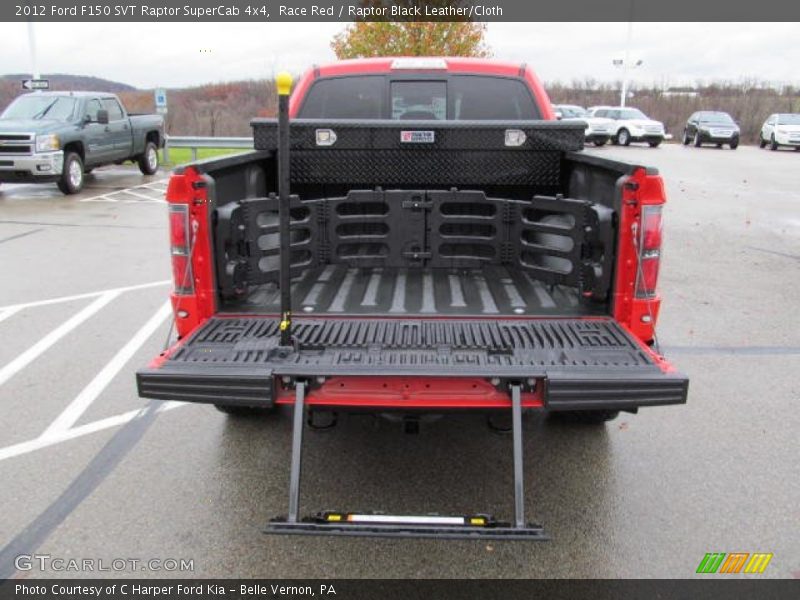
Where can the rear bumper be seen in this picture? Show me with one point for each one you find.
(34, 168)
(555, 393)
(617, 393)
(648, 137)
(718, 139)
(786, 139)
(231, 388)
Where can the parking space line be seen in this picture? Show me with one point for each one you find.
(76, 432)
(4, 314)
(81, 487)
(150, 187)
(102, 424)
(90, 393)
(54, 336)
(103, 198)
(160, 183)
(42, 442)
(138, 195)
(127, 288)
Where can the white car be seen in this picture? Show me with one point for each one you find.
(781, 130)
(630, 125)
(598, 130)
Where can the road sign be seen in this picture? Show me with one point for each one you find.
(35, 84)
(160, 96)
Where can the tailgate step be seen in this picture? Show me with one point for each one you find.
(382, 525)
(424, 526)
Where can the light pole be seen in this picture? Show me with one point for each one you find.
(626, 65)
(32, 46)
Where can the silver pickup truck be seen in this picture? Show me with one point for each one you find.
(60, 136)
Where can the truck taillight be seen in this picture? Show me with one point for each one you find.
(651, 228)
(180, 248)
(178, 226)
(649, 251)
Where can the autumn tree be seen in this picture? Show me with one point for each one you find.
(364, 39)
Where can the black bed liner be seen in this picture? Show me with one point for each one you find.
(493, 290)
(584, 362)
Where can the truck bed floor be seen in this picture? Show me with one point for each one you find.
(491, 291)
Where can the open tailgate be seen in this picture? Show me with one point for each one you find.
(579, 363)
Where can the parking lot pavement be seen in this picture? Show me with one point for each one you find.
(92, 471)
(106, 184)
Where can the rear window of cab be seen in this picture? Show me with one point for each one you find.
(455, 97)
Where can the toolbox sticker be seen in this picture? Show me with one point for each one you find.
(417, 137)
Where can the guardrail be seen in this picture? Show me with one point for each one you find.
(194, 142)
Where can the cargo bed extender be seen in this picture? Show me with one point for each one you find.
(415, 260)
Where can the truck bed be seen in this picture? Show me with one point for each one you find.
(468, 226)
(491, 290)
(462, 258)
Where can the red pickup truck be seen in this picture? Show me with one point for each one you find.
(415, 236)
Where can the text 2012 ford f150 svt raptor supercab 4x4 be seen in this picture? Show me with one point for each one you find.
(422, 236)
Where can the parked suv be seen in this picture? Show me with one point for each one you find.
(630, 125)
(711, 127)
(597, 130)
(781, 130)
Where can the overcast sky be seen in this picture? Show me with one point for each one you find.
(147, 55)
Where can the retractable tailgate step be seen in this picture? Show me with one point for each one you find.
(379, 524)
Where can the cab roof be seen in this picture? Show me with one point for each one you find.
(394, 64)
(386, 65)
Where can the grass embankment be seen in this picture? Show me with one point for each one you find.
(180, 156)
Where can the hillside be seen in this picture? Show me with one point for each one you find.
(11, 84)
(63, 81)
